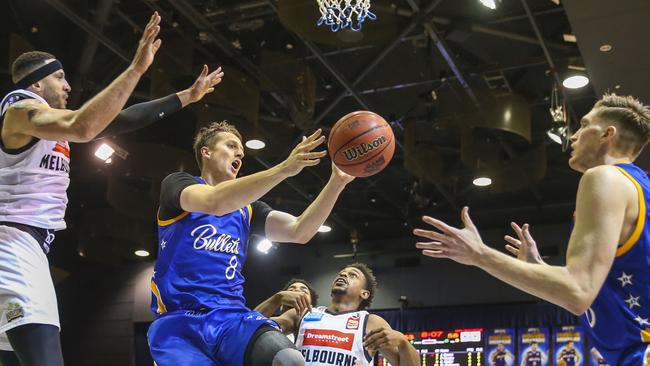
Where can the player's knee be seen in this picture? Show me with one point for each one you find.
(288, 357)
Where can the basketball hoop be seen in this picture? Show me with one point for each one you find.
(342, 14)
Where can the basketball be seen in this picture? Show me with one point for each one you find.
(361, 143)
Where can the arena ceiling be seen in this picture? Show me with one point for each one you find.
(442, 72)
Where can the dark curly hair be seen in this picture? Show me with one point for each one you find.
(371, 283)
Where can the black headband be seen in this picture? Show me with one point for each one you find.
(39, 74)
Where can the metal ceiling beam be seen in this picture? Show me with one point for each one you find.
(366, 70)
(444, 51)
(329, 66)
(201, 22)
(102, 11)
(83, 24)
(549, 59)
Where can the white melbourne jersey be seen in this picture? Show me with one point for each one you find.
(33, 179)
(333, 339)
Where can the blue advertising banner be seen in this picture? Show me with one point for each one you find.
(569, 345)
(534, 346)
(500, 346)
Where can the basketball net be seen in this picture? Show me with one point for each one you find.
(342, 14)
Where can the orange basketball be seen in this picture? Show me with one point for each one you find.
(361, 143)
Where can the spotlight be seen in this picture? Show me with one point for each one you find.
(141, 253)
(104, 152)
(255, 144)
(575, 82)
(264, 246)
(492, 4)
(557, 133)
(324, 229)
(482, 181)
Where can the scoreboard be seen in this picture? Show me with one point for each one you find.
(459, 347)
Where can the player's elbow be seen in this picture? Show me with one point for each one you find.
(579, 303)
(301, 238)
(81, 131)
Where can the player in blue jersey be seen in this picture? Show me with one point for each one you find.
(606, 278)
(568, 355)
(204, 224)
(534, 356)
(500, 356)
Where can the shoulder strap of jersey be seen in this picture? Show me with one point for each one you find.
(16, 96)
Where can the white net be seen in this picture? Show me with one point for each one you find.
(342, 14)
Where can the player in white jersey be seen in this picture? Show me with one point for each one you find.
(34, 175)
(344, 333)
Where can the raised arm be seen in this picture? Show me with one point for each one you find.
(30, 118)
(296, 300)
(391, 343)
(144, 114)
(284, 227)
(600, 214)
(234, 194)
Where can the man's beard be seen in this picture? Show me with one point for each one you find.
(53, 99)
(339, 291)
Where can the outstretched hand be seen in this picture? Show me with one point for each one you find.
(296, 300)
(204, 84)
(524, 248)
(148, 45)
(303, 155)
(462, 245)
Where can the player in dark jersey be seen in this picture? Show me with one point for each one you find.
(204, 224)
(534, 356)
(606, 278)
(569, 355)
(499, 357)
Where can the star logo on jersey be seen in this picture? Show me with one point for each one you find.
(642, 321)
(163, 244)
(625, 279)
(633, 301)
(353, 322)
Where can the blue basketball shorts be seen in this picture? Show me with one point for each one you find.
(218, 337)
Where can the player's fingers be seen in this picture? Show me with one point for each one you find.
(439, 225)
(526, 232)
(512, 250)
(467, 221)
(309, 145)
(433, 245)
(156, 45)
(429, 234)
(434, 253)
(311, 162)
(514, 242)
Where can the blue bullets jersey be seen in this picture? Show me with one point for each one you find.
(200, 256)
(618, 321)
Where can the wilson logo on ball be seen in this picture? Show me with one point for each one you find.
(362, 149)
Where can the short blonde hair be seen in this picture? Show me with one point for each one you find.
(630, 115)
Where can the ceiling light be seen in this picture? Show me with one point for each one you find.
(104, 152)
(575, 82)
(605, 48)
(324, 229)
(492, 4)
(482, 181)
(108, 161)
(553, 135)
(264, 246)
(141, 253)
(571, 38)
(255, 144)
(289, 46)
